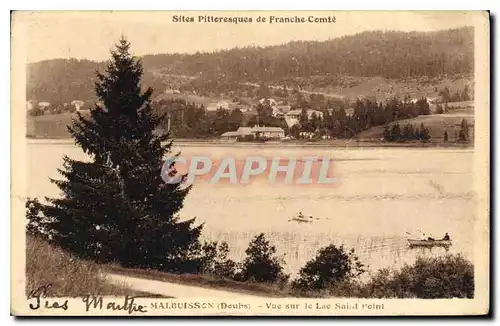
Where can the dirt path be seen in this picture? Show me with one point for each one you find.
(174, 290)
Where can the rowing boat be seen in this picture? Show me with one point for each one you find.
(429, 243)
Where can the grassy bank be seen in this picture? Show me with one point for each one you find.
(66, 275)
(204, 281)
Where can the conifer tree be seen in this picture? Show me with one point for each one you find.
(424, 133)
(116, 206)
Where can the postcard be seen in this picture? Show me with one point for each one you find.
(250, 163)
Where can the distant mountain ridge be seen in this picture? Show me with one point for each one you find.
(389, 54)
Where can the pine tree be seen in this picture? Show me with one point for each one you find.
(424, 133)
(116, 207)
(417, 134)
(407, 132)
(396, 132)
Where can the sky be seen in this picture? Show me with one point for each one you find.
(91, 35)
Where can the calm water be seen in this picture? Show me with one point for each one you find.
(382, 194)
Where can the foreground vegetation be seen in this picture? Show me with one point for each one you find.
(67, 276)
(336, 272)
(333, 273)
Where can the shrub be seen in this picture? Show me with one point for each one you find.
(215, 260)
(261, 264)
(443, 277)
(331, 265)
(451, 276)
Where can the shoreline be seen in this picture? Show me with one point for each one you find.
(348, 144)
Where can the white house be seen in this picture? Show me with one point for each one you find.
(310, 112)
(294, 114)
(78, 105)
(290, 122)
(269, 101)
(44, 105)
(172, 91)
(349, 112)
(269, 132)
(230, 135)
(279, 111)
(29, 105)
(266, 132)
(292, 117)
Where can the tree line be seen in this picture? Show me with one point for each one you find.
(408, 133)
(189, 120)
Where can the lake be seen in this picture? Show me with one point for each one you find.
(382, 195)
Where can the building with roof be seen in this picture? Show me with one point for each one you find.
(310, 113)
(279, 111)
(269, 132)
(269, 101)
(29, 105)
(79, 105)
(43, 105)
(256, 131)
(230, 135)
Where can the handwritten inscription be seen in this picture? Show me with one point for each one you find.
(128, 305)
(38, 298)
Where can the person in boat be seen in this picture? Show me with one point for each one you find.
(446, 237)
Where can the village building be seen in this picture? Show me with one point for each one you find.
(43, 105)
(280, 111)
(290, 122)
(310, 113)
(29, 105)
(294, 114)
(269, 132)
(79, 105)
(172, 91)
(230, 135)
(349, 112)
(256, 131)
(292, 118)
(270, 101)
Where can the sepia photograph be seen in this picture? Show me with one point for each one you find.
(265, 163)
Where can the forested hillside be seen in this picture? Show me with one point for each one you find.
(376, 53)
(387, 54)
